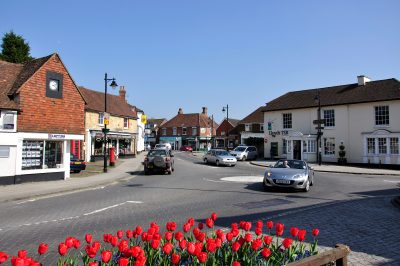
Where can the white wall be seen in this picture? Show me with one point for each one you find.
(140, 136)
(7, 165)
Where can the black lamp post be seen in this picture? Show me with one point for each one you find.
(226, 108)
(105, 130)
(319, 127)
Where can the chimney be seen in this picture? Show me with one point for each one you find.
(122, 92)
(205, 110)
(180, 111)
(362, 80)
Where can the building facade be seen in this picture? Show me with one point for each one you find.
(193, 129)
(122, 124)
(224, 136)
(41, 114)
(360, 117)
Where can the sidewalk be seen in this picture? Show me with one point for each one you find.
(339, 169)
(125, 170)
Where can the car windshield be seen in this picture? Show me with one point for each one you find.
(160, 145)
(290, 164)
(154, 153)
(240, 148)
(222, 153)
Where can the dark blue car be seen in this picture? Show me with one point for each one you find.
(76, 165)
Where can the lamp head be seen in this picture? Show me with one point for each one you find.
(113, 84)
(223, 109)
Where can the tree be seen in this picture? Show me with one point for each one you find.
(15, 49)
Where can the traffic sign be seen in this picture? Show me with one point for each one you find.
(106, 121)
(316, 122)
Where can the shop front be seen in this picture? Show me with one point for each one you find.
(176, 142)
(124, 144)
(42, 157)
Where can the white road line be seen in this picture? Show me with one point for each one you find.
(132, 201)
(26, 201)
(110, 207)
(215, 181)
(392, 181)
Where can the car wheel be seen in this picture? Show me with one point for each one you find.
(205, 161)
(307, 187)
(217, 162)
(244, 158)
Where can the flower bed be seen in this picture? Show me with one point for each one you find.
(191, 246)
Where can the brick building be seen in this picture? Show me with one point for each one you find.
(224, 137)
(41, 115)
(195, 129)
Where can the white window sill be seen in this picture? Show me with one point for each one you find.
(382, 126)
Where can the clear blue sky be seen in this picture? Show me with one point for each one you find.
(189, 53)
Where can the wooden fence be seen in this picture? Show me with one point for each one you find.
(338, 255)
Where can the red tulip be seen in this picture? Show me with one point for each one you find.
(77, 243)
(186, 227)
(191, 248)
(22, 254)
(209, 223)
(287, 242)
(88, 238)
(266, 252)
(168, 236)
(114, 241)
(96, 245)
(138, 230)
(93, 263)
(15, 261)
(247, 226)
(129, 234)
(294, 231)
(258, 231)
(229, 236)
(178, 236)
(182, 244)
(167, 248)
(155, 243)
(248, 237)
(315, 232)
(3, 257)
(270, 224)
(200, 226)
(236, 263)
(171, 226)
(259, 224)
(120, 234)
(301, 235)
(123, 246)
(214, 216)
(106, 256)
(191, 221)
(256, 244)
(267, 240)
(69, 241)
(211, 245)
(235, 246)
(175, 258)
(202, 257)
(43, 247)
(62, 249)
(201, 236)
(279, 229)
(91, 251)
(123, 262)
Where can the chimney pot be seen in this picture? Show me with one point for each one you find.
(180, 111)
(205, 110)
(122, 92)
(362, 80)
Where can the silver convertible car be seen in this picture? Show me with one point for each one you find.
(219, 157)
(295, 174)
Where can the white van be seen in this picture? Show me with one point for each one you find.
(163, 146)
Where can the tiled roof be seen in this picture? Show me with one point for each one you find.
(189, 120)
(115, 104)
(255, 117)
(8, 74)
(233, 121)
(373, 91)
(156, 121)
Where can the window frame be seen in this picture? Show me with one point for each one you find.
(329, 150)
(287, 120)
(184, 131)
(174, 131)
(194, 131)
(329, 116)
(101, 119)
(380, 119)
(126, 122)
(394, 146)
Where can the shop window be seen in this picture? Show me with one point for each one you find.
(53, 154)
(329, 146)
(382, 115)
(382, 145)
(32, 154)
(287, 120)
(371, 145)
(329, 116)
(309, 146)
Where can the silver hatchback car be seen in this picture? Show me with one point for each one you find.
(219, 157)
(245, 152)
(295, 174)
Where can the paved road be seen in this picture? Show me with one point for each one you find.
(349, 209)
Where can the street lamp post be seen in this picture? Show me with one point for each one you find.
(105, 130)
(319, 127)
(226, 108)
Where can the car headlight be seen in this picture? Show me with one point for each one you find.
(298, 176)
(268, 174)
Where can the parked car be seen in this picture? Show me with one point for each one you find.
(166, 146)
(295, 174)
(245, 152)
(219, 157)
(186, 148)
(76, 165)
(159, 160)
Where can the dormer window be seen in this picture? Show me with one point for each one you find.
(8, 120)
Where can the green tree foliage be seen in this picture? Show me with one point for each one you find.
(15, 49)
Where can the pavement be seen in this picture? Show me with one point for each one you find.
(25, 191)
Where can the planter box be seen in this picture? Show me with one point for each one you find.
(338, 255)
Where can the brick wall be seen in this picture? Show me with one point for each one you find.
(225, 126)
(44, 114)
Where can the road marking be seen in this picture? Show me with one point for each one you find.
(26, 201)
(111, 207)
(215, 181)
(392, 181)
(243, 179)
(137, 202)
